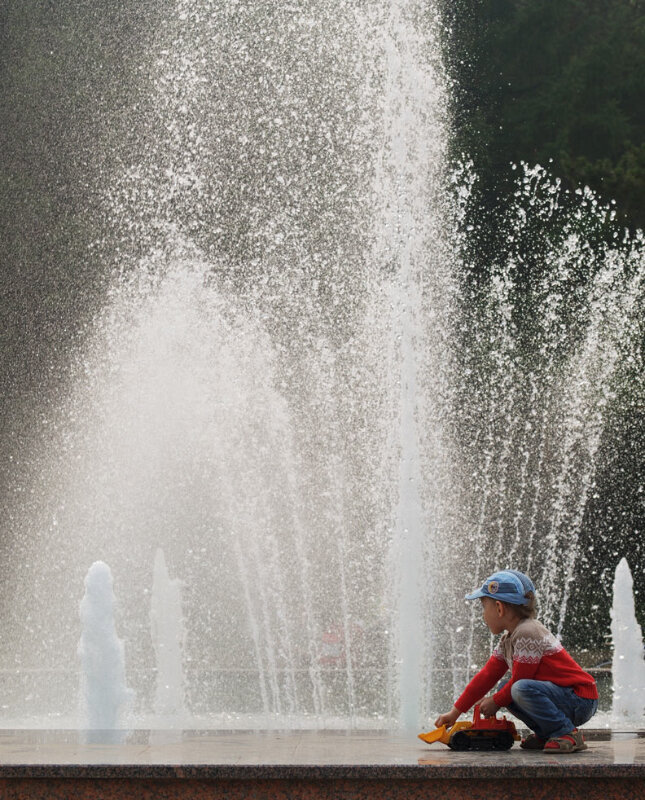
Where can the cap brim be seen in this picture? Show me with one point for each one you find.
(475, 595)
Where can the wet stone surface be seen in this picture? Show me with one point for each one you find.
(304, 754)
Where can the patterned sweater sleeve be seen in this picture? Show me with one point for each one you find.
(529, 646)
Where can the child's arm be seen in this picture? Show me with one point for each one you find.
(488, 707)
(483, 681)
(448, 719)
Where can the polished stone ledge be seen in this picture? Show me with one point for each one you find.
(323, 764)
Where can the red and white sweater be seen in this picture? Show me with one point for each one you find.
(530, 651)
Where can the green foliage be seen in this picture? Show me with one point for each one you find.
(559, 82)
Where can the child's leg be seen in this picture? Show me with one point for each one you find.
(530, 723)
(548, 709)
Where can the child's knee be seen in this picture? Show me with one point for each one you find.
(520, 690)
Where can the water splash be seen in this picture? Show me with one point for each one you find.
(628, 664)
(168, 638)
(548, 336)
(104, 692)
(410, 241)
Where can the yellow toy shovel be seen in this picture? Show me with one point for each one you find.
(443, 734)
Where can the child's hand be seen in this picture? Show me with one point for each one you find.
(488, 707)
(448, 719)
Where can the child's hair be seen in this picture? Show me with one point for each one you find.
(526, 611)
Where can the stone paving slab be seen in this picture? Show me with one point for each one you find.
(306, 764)
(295, 751)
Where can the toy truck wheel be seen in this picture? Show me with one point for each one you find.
(504, 741)
(459, 741)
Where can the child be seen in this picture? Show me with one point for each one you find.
(548, 690)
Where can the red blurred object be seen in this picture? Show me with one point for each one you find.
(332, 648)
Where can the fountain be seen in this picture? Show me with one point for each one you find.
(168, 636)
(295, 388)
(103, 684)
(628, 667)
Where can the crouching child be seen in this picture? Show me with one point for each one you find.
(548, 691)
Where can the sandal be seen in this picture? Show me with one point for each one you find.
(533, 742)
(567, 743)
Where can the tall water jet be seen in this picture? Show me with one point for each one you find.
(408, 180)
(168, 638)
(628, 662)
(103, 691)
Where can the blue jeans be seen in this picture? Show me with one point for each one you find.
(548, 709)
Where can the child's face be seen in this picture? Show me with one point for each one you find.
(493, 613)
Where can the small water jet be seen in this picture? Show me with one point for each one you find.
(628, 663)
(103, 691)
(168, 637)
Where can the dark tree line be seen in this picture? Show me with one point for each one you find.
(556, 83)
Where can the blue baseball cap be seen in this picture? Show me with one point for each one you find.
(527, 583)
(509, 586)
